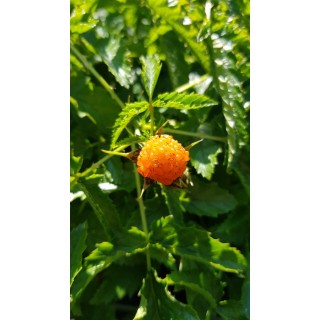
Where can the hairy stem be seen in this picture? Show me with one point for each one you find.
(195, 134)
(142, 214)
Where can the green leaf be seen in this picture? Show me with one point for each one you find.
(102, 207)
(172, 16)
(183, 101)
(232, 310)
(173, 202)
(158, 304)
(77, 246)
(151, 68)
(197, 245)
(81, 20)
(113, 52)
(191, 281)
(203, 157)
(161, 254)
(127, 244)
(118, 281)
(229, 83)
(94, 102)
(207, 199)
(131, 140)
(197, 47)
(75, 163)
(126, 115)
(177, 66)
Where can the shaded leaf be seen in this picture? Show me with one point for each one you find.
(151, 68)
(177, 66)
(102, 207)
(129, 243)
(158, 304)
(232, 310)
(208, 199)
(77, 246)
(191, 281)
(118, 281)
(173, 203)
(94, 102)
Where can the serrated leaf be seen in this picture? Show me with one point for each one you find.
(131, 140)
(232, 310)
(75, 163)
(229, 83)
(94, 102)
(197, 47)
(184, 101)
(77, 246)
(80, 19)
(208, 199)
(191, 281)
(172, 16)
(127, 244)
(102, 207)
(151, 68)
(177, 66)
(204, 157)
(197, 245)
(126, 115)
(113, 52)
(157, 303)
(118, 281)
(161, 254)
(173, 203)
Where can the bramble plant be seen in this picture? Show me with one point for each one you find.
(159, 159)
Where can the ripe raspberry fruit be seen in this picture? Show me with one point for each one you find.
(162, 159)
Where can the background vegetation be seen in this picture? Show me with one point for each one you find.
(190, 61)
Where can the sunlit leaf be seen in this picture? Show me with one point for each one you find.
(126, 115)
(151, 68)
(204, 157)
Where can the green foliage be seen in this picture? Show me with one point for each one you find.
(173, 253)
(183, 101)
(78, 245)
(150, 73)
(157, 303)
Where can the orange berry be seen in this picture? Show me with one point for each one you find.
(162, 159)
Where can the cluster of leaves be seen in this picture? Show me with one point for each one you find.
(134, 65)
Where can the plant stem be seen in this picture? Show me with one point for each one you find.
(142, 214)
(151, 118)
(195, 134)
(102, 81)
(95, 165)
(192, 83)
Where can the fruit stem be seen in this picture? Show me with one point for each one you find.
(142, 213)
(195, 134)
